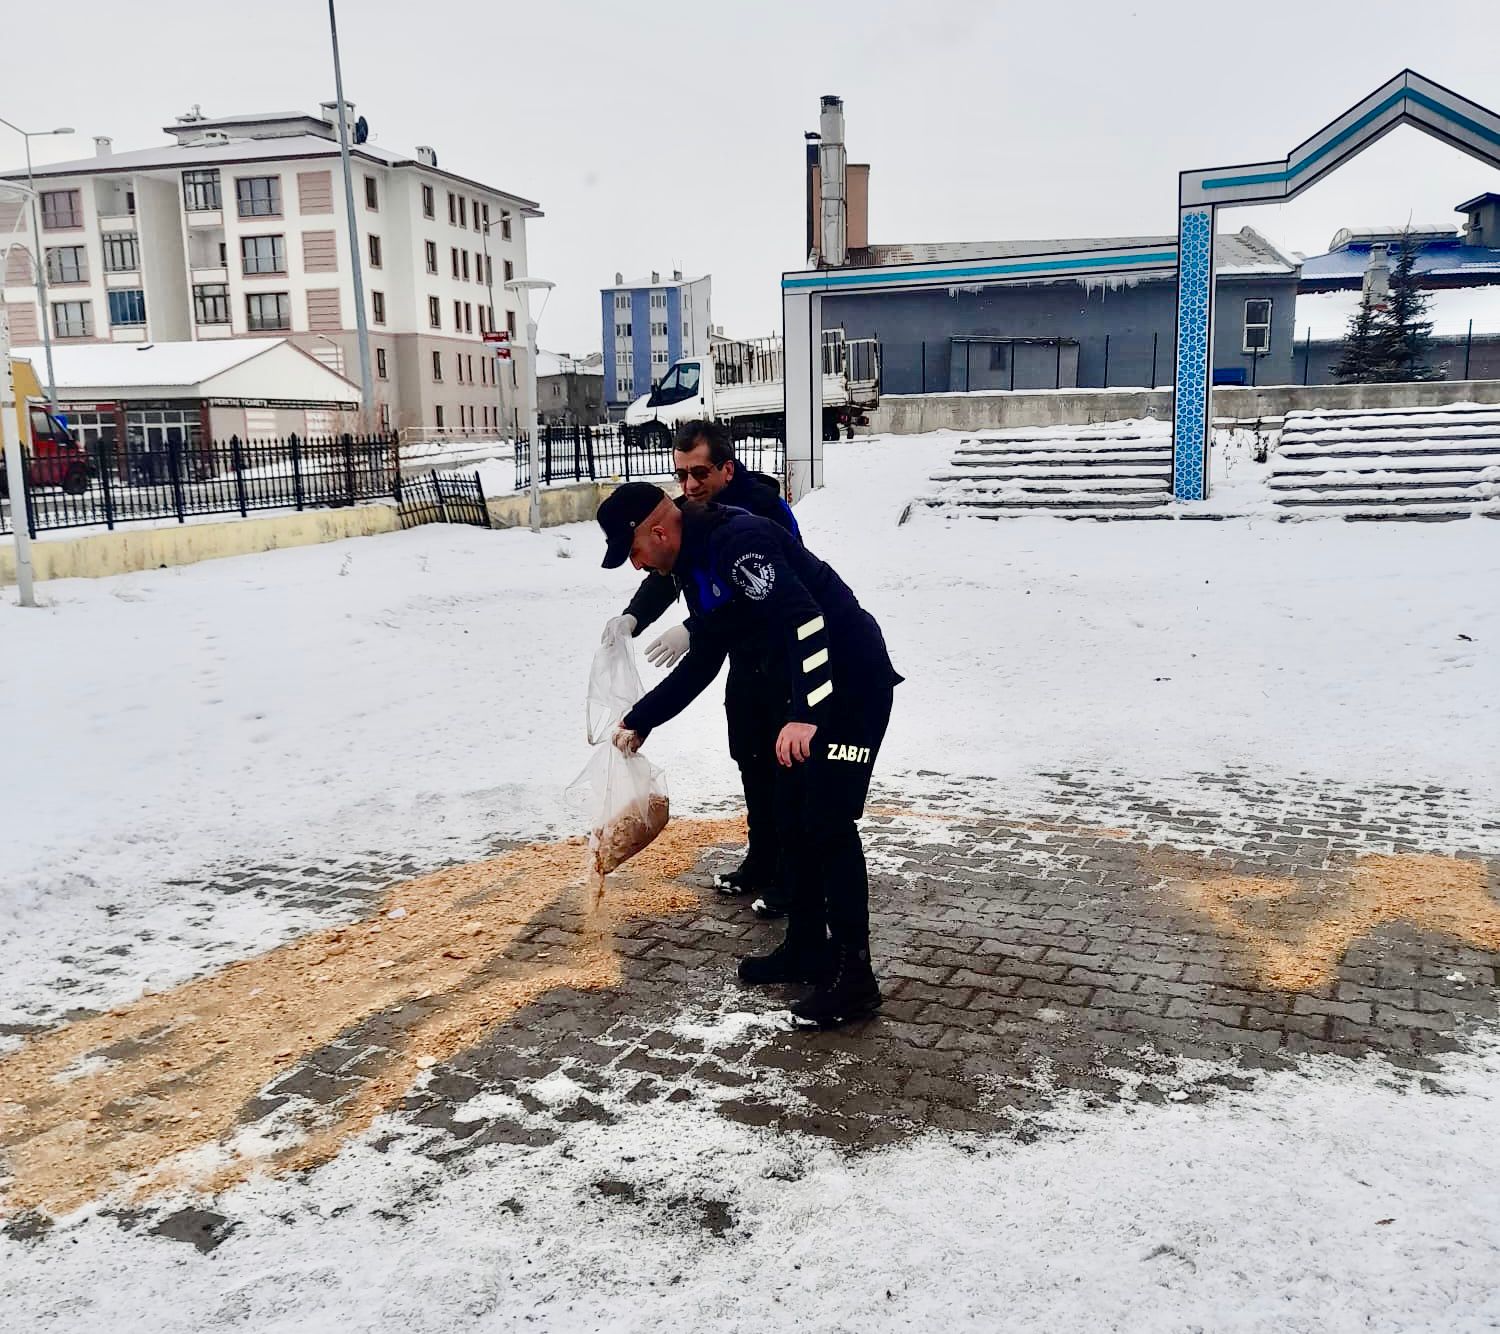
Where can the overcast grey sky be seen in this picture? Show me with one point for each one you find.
(669, 134)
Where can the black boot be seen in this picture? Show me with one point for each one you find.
(850, 993)
(746, 878)
(803, 961)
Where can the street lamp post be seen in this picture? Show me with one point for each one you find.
(361, 324)
(39, 267)
(489, 282)
(524, 287)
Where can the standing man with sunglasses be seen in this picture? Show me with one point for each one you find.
(708, 470)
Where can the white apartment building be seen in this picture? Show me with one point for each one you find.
(238, 228)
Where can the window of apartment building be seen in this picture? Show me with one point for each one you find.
(659, 358)
(510, 271)
(478, 266)
(622, 330)
(466, 265)
(622, 386)
(622, 300)
(458, 317)
(468, 317)
(684, 328)
(452, 208)
(437, 366)
(458, 368)
(622, 361)
(453, 256)
(61, 209)
(510, 323)
(67, 264)
(505, 225)
(463, 211)
(385, 416)
(268, 310)
(486, 217)
(1257, 326)
(127, 309)
(211, 303)
(377, 307)
(428, 205)
(372, 194)
(470, 359)
(475, 211)
(658, 329)
(489, 271)
(429, 248)
(380, 367)
(263, 254)
(374, 252)
(434, 312)
(72, 319)
(200, 191)
(658, 300)
(259, 196)
(121, 252)
(438, 417)
(491, 311)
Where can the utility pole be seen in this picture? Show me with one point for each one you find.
(15, 470)
(524, 287)
(39, 258)
(362, 325)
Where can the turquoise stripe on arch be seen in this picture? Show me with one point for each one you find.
(1409, 94)
(870, 276)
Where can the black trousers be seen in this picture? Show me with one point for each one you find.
(754, 709)
(818, 803)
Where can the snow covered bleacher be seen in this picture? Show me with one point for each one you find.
(1114, 470)
(1429, 464)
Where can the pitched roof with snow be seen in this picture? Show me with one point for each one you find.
(153, 365)
(1447, 258)
(1325, 315)
(1239, 253)
(179, 156)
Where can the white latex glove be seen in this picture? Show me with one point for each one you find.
(626, 741)
(617, 627)
(670, 649)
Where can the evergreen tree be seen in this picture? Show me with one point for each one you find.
(1357, 364)
(1403, 333)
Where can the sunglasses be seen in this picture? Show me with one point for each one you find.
(698, 472)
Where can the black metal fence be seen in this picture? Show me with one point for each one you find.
(444, 498)
(603, 453)
(112, 482)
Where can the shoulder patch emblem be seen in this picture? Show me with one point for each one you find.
(754, 575)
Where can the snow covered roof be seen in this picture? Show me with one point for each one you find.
(177, 157)
(648, 281)
(1327, 314)
(1447, 256)
(1432, 231)
(558, 363)
(191, 366)
(1241, 253)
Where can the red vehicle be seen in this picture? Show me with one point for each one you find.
(56, 457)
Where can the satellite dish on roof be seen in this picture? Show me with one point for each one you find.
(361, 130)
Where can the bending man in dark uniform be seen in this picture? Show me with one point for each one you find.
(708, 471)
(752, 589)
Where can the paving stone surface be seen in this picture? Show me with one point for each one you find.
(1028, 960)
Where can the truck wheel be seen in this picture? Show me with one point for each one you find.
(76, 481)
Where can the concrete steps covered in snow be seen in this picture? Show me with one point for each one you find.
(1430, 465)
(1119, 470)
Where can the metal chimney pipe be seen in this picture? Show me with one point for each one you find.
(832, 163)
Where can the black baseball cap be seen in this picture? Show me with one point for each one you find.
(621, 513)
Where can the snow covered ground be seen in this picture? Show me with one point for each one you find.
(421, 694)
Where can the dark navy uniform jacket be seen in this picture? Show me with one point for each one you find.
(754, 589)
(753, 492)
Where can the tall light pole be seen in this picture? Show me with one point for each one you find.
(10, 438)
(361, 324)
(39, 257)
(524, 287)
(489, 282)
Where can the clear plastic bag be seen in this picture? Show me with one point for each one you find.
(625, 795)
